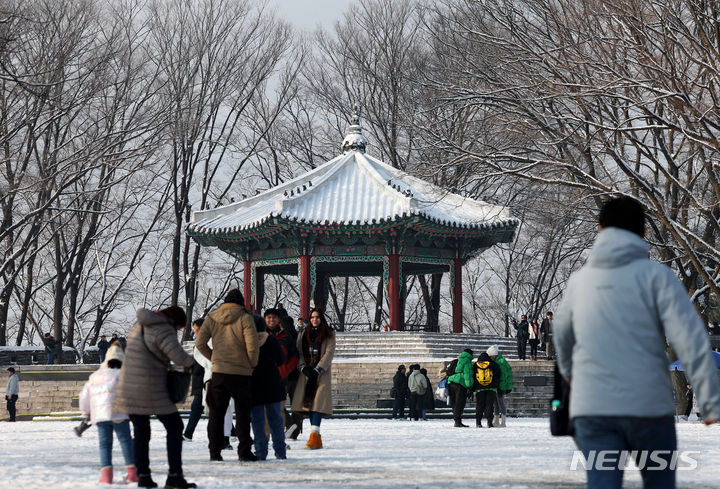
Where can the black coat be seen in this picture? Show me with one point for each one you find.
(546, 330)
(495, 383)
(522, 330)
(400, 383)
(267, 385)
(429, 397)
(197, 374)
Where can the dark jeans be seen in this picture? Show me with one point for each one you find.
(293, 418)
(416, 405)
(196, 410)
(533, 348)
(458, 398)
(10, 402)
(484, 404)
(522, 346)
(627, 433)
(221, 388)
(51, 358)
(399, 406)
(173, 441)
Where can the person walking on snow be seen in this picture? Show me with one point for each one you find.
(96, 401)
(485, 384)
(610, 333)
(142, 390)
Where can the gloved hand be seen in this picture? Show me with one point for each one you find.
(310, 373)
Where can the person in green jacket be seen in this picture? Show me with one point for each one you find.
(458, 383)
(506, 385)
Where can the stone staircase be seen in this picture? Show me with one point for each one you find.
(402, 344)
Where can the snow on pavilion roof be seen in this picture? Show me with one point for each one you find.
(352, 189)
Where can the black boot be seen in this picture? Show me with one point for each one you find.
(459, 424)
(146, 481)
(216, 457)
(178, 482)
(248, 457)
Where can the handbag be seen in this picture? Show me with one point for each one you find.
(178, 381)
(560, 421)
(393, 392)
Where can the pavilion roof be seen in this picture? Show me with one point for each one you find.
(353, 189)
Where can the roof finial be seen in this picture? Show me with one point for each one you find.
(354, 140)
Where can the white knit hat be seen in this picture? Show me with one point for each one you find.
(492, 351)
(115, 352)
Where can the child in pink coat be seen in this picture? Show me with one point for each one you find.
(96, 401)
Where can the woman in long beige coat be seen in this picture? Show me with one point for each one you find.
(313, 393)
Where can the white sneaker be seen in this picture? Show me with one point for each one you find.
(185, 438)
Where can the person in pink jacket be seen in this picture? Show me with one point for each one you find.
(96, 401)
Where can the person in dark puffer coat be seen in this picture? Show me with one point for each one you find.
(142, 389)
(268, 391)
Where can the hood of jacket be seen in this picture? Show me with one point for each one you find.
(146, 317)
(228, 313)
(466, 356)
(615, 247)
(484, 357)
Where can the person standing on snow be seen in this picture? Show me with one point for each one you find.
(400, 384)
(313, 393)
(12, 392)
(610, 334)
(458, 384)
(96, 401)
(234, 355)
(505, 386)
(417, 385)
(486, 375)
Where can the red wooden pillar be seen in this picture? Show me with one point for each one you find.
(305, 287)
(394, 292)
(457, 296)
(247, 285)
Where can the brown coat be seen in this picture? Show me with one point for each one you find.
(323, 396)
(142, 385)
(235, 347)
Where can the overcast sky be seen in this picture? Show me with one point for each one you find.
(307, 14)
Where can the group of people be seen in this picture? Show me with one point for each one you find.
(414, 387)
(489, 379)
(533, 334)
(253, 361)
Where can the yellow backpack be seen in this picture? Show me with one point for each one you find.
(483, 374)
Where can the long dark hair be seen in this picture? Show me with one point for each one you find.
(324, 332)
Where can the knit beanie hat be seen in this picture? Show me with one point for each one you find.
(115, 352)
(492, 351)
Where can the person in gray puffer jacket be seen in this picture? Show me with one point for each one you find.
(142, 389)
(610, 332)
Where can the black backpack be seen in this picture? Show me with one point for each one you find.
(450, 367)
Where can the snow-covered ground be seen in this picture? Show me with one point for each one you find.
(357, 454)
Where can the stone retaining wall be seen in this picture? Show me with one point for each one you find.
(51, 388)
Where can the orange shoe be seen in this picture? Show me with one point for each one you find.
(314, 442)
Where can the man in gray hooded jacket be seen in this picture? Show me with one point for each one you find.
(610, 336)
